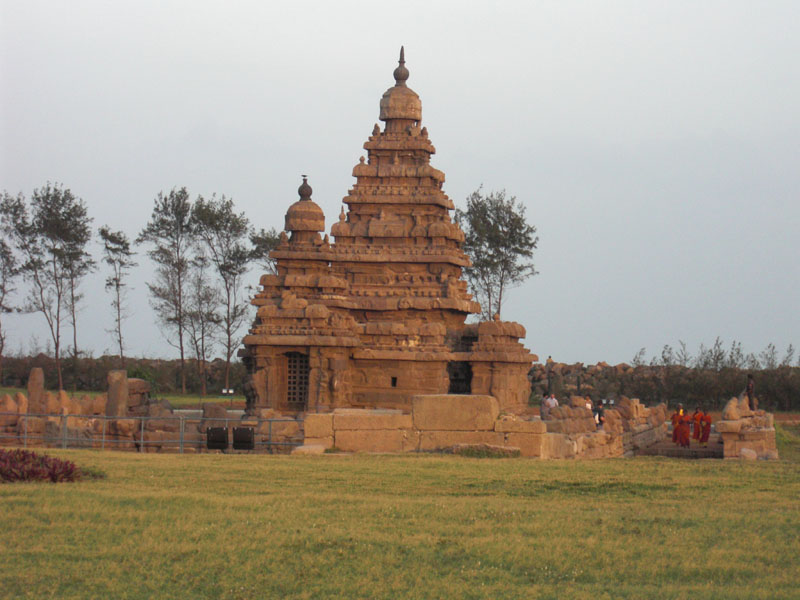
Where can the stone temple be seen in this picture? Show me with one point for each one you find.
(377, 315)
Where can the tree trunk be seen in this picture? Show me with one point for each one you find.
(58, 365)
(119, 324)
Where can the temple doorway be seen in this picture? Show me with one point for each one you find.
(297, 381)
(460, 374)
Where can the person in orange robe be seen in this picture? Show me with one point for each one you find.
(705, 422)
(676, 420)
(696, 426)
(685, 430)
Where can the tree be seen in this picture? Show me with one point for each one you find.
(50, 237)
(769, 357)
(222, 235)
(9, 270)
(202, 316)
(500, 244)
(118, 255)
(170, 232)
(265, 241)
(78, 263)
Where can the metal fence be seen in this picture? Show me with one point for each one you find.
(180, 434)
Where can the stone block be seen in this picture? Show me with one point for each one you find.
(21, 401)
(281, 428)
(357, 440)
(318, 425)
(411, 440)
(508, 424)
(557, 445)
(731, 411)
(529, 444)
(748, 454)
(8, 405)
(455, 413)
(325, 442)
(310, 449)
(437, 440)
(370, 419)
(99, 404)
(50, 404)
(576, 401)
(162, 425)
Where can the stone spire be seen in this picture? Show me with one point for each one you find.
(401, 73)
(400, 103)
(398, 214)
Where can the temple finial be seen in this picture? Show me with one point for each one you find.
(304, 190)
(401, 73)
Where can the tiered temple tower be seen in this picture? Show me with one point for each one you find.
(379, 315)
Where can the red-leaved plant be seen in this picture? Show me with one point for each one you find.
(24, 465)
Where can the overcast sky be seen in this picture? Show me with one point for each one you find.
(655, 144)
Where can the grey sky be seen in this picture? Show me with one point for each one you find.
(654, 144)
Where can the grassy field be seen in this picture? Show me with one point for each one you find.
(176, 400)
(423, 526)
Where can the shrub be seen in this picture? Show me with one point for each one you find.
(23, 465)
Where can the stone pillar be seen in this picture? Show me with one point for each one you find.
(117, 405)
(36, 391)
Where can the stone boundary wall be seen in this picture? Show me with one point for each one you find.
(114, 420)
(637, 425)
(440, 422)
(745, 433)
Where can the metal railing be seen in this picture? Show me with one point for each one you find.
(181, 434)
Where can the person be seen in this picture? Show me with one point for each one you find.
(548, 404)
(698, 414)
(705, 423)
(683, 435)
(599, 417)
(750, 390)
(676, 421)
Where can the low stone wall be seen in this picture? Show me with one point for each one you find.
(441, 422)
(642, 426)
(745, 433)
(126, 418)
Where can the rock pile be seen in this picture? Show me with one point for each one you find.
(746, 434)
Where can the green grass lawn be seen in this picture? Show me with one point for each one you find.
(422, 526)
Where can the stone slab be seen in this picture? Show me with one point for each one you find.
(455, 413)
(380, 440)
(508, 425)
(319, 425)
(437, 440)
(529, 444)
(325, 442)
(370, 419)
(309, 449)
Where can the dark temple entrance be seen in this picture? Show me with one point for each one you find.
(460, 374)
(297, 381)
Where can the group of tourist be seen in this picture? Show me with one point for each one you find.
(686, 427)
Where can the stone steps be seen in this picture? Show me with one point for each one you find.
(667, 448)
